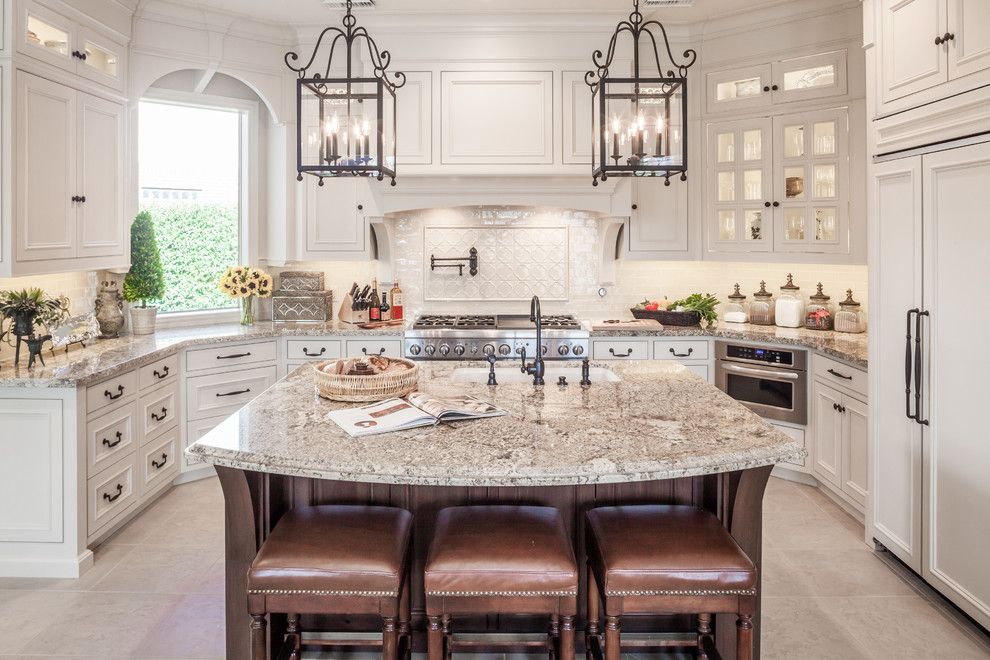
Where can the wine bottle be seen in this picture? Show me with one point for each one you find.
(386, 311)
(374, 304)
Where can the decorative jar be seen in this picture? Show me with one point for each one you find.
(850, 317)
(790, 308)
(736, 308)
(818, 313)
(761, 311)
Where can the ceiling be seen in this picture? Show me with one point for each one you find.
(301, 12)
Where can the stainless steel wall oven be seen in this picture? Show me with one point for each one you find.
(770, 381)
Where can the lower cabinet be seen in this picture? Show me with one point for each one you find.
(798, 435)
(694, 353)
(840, 436)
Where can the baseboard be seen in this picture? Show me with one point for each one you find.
(204, 472)
(794, 475)
(63, 568)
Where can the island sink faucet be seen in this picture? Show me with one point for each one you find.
(537, 369)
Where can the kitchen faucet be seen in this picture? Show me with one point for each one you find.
(537, 369)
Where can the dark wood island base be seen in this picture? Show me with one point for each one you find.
(255, 501)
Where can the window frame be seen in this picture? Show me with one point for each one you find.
(249, 203)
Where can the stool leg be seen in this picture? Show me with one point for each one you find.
(567, 639)
(594, 612)
(704, 632)
(292, 632)
(435, 639)
(390, 640)
(554, 645)
(259, 640)
(447, 641)
(744, 637)
(613, 648)
(404, 632)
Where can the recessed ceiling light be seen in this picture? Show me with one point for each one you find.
(342, 4)
(669, 3)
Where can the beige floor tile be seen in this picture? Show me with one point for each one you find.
(201, 526)
(192, 628)
(844, 572)
(25, 614)
(780, 578)
(806, 629)
(783, 532)
(161, 569)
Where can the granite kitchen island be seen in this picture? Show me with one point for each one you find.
(660, 434)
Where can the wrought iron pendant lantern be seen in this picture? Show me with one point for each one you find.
(346, 123)
(639, 123)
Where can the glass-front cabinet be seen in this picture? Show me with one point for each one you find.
(779, 184)
(782, 81)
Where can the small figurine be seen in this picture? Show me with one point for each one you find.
(34, 349)
(109, 310)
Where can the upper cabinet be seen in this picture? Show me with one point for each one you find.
(50, 37)
(336, 218)
(414, 130)
(781, 81)
(576, 119)
(658, 223)
(930, 49)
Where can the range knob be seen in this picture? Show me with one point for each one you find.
(430, 349)
(563, 349)
(415, 349)
(504, 349)
(459, 349)
(444, 349)
(545, 349)
(579, 350)
(489, 349)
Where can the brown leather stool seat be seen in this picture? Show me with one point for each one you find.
(500, 560)
(334, 559)
(661, 559)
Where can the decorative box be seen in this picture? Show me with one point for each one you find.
(301, 297)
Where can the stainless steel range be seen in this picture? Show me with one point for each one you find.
(441, 337)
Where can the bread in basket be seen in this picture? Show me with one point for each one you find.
(389, 378)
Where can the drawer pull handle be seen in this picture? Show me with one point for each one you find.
(113, 498)
(234, 356)
(161, 418)
(114, 397)
(234, 393)
(365, 351)
(159, 466)
(839, 375)
(676, 354)
(163, 375)
(623, 355)
(111, 445)
(836, 407)
(308, 354)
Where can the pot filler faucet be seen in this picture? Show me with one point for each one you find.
(537, 369)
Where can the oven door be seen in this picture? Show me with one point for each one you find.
(771, 392)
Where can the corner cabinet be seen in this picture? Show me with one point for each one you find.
(336, 218)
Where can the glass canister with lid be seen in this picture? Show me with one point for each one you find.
(818, 313)
(761, 310)
(736, 308)
(790, 308)
(850, 317)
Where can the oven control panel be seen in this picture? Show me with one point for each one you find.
(760, 354)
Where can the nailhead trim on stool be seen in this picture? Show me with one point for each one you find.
(501, 593)
(317, 592)
(720, 592)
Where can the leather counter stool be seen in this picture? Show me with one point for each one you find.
(500, 560)
(666, 560)
(333, 560)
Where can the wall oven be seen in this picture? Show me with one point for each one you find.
(770, 381)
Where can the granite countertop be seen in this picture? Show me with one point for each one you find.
(105, 358)
(659, 422)
(841, 346)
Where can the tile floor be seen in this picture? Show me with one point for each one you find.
(156, 591)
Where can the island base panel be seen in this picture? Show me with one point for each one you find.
(255, 502)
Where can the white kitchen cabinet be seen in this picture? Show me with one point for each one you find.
(575, 121)
(840, 462)
(855, 459)
(740, 186)
(828, 434)
(337, 218)
(658, 222)
(414, 102)
(798, 435)
(100, 174)
(781, 81)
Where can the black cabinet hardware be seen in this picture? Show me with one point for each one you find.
(164, 414)
(471, 259)
(111, 445)
(308, 354)
(682, 355)
(776, 204)
(948, 37)
(839, 375)
(163, 374)
(938, 41)
(766, 88)
(918, 366)
(234, 356)
(774, 87)
(234, 393)
(159, 466)
(836, 407)
(635, 206)
(114, 397)
(908, 367)
(766, 204)
(79, 55)
(620, 355)
(380, 352)
(83, 199)
(113, 498)
(76, 198)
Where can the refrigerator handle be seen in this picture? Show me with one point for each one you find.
(918, 368)
(908, 367)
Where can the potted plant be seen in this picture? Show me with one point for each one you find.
(22, 309)
(145, 281)
(245, 283)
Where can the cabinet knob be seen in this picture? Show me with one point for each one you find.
(766, 88)
(360, 207)
(776, 204)
(774, 87)
(766, 204)
(635, 206)
(948, 37)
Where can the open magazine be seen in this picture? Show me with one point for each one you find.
(415, 410)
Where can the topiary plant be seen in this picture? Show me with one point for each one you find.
(145, 281)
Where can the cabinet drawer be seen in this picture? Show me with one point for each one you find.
(229, 356)
(667, 349)
(110, 392)
(362, 347)
(110, 493)
(111, 437)
(165, 370)
(633, 349)
(222, 394)
(159, 411)
(797, 435)
(159, 462)
(312, 349)
(838, 374)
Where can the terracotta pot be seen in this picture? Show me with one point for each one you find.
(143, 320)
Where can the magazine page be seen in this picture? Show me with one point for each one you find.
(453, 408)
(381, 417)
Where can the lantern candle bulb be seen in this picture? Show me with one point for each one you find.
(659, 137)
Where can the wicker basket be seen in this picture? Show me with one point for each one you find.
(341, 387)
(668, 318)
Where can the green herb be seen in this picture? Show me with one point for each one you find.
(696, 302)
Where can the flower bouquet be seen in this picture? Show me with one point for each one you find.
(245, 283)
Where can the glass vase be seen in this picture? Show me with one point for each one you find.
(247, 311)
